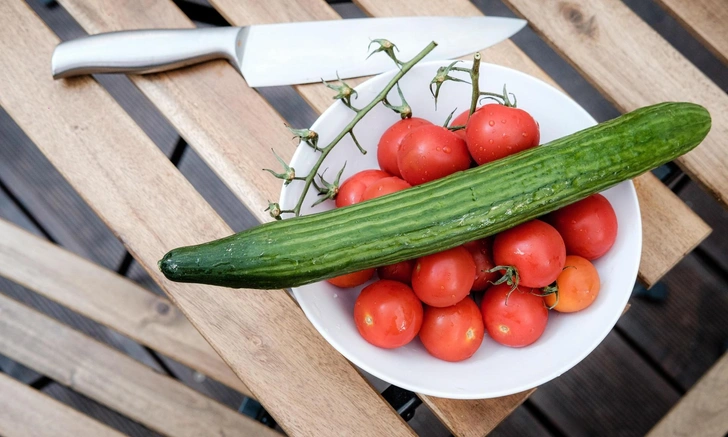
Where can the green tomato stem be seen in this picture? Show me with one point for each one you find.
(405, 67)
(475, 81)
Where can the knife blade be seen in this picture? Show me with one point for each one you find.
(284, 53)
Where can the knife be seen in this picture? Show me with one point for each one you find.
(281, 54)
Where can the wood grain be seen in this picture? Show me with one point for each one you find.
(476, 417)
(633, 67)
(109, 299)
(705, 19)
(262, 335)
(113, 379)
(26, 412)
(703, 411)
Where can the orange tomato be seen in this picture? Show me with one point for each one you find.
(577, 286)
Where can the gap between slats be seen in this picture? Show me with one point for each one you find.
(112, 378)
(703, 411)
(109, 299)
(25, 411)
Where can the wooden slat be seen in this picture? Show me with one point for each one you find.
(474, 418)
(707, 20)
(703, 411)
(109, 299)
(262, 335)
(633, 66)
(113, 379)
(26, 412)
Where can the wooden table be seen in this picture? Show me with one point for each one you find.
(261, 335)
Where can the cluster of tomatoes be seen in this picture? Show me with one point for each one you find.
(522, 272)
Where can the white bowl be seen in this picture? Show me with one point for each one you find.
(494, 370)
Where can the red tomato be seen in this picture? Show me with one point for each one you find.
(482, 253)
(577, 286)
(383, 187)
(518, 322)
(444, 278)
(352, 279)
(390, 141)
(495, 131)
(535, 249)
(388, 314)
(402, 271)
(589, 226)
(351, 191)
(431, 152)
(452, 333)
(461, 120)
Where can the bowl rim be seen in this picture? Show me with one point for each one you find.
(597, 340)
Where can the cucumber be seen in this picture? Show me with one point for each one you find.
(445, 213)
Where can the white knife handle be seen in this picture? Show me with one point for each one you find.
(143, 51)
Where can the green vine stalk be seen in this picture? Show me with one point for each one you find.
(345, 93)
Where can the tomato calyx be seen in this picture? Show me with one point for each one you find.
(449, 117)
(387, 47)
(327, 190)
(443, 75)
(552, 288)
(288, 174)
(344, 92)
(274, 209)
(403, 109)
(549, 290)
(510, 277)
(307, 136)
(502, 98)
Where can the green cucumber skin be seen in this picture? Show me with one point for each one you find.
(445, 213)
